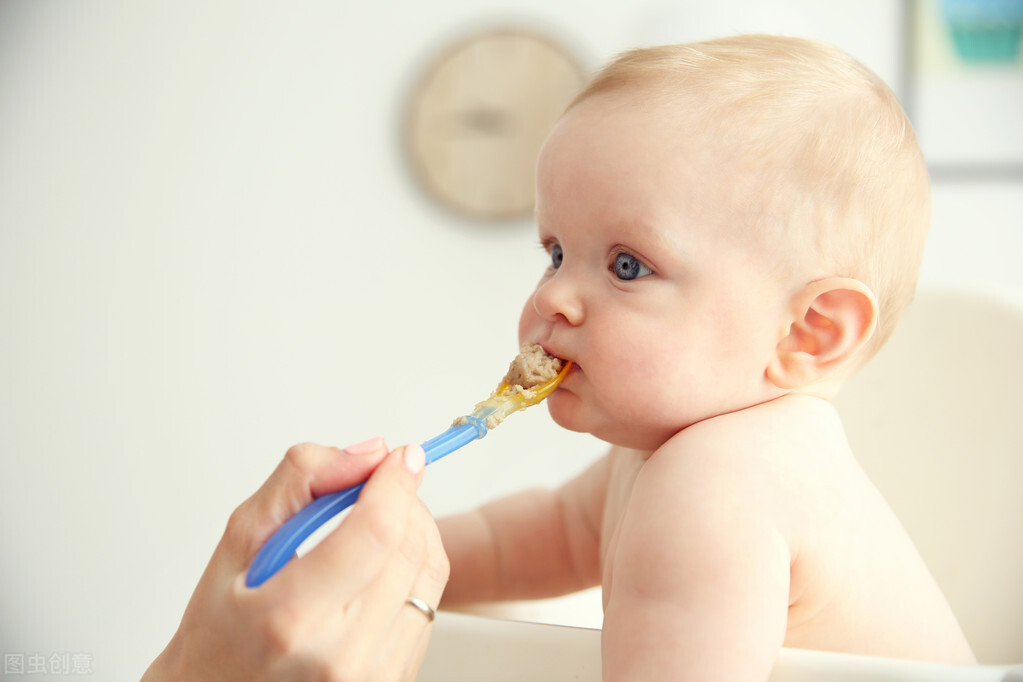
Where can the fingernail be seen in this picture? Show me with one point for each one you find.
(415, 458)
(366, 447)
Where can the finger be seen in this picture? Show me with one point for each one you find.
(307, 471)
(427, 557)
(432, 581)
(436, 569)
(377, 608)
(354, 466)
(410, 632)
(358, 551)
(382, 602)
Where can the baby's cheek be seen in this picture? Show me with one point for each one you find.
(527, 318)
(563, 407)
(635, 366)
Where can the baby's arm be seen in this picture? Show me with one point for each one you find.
(700, 582)
(534, 544)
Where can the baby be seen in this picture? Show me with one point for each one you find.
(734, 227)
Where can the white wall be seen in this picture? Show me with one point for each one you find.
(210, 249)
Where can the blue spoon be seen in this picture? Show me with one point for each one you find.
(507, 399)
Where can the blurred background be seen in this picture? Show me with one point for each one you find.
(214, 243)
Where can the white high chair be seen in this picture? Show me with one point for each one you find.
(937, 421)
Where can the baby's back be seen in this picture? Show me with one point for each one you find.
(858, 583)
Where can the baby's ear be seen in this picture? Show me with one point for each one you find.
(832, 319)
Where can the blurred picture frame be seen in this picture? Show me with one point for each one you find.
(963, 84)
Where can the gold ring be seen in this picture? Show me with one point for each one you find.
(422, 607)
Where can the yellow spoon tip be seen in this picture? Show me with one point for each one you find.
(532, 376)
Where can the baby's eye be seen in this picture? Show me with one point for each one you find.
(628, 267)
(556, 256)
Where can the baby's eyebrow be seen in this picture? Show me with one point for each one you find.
(653, 239)
(672, 243)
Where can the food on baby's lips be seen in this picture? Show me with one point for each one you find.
(532, 367)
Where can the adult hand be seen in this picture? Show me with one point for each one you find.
(338, 613)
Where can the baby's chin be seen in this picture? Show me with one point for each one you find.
(568, 412)
(563, 408)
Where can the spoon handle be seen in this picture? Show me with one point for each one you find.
(281, 546)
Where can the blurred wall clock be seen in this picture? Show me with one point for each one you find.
(479, 114)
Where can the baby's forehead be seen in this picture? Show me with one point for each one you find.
(640, 99)
(681, 120)
(637, 117)
(641, 161)
(665, 129)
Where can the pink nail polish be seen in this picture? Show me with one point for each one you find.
(366, 447)
(415, 458)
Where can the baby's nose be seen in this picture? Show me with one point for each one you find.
(559, 297)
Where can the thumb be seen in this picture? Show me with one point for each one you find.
(365, 543)
(307, 471)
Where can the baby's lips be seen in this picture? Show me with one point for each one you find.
(547, 350)
(559, 356)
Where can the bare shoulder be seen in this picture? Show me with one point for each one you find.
(850, 558)
(779, 482)
(787, 424)
(763, 454)
(736, 475)
(697, 562)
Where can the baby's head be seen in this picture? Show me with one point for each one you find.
(727, 223)
(831, 177)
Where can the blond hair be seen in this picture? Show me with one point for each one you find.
(841, 180)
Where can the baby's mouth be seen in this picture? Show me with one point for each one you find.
(563, 360)
(555, 356)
